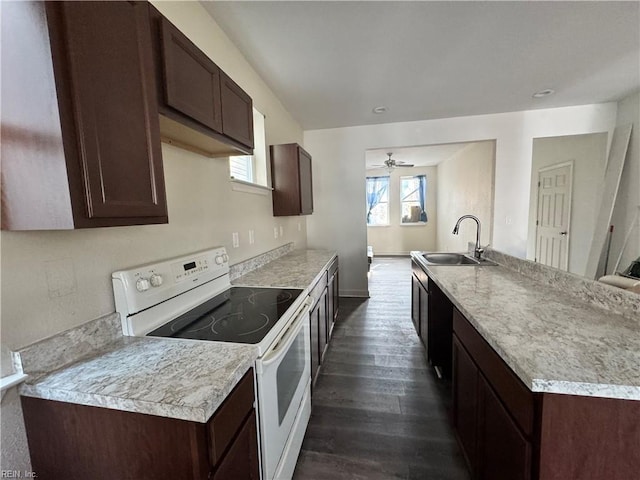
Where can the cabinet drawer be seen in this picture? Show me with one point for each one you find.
(226, 422)
(517, 398)
(242, 459)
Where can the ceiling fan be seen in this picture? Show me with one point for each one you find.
(390, 163)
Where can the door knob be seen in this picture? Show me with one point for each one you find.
(563, 233)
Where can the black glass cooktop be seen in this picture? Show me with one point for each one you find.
(239, 315)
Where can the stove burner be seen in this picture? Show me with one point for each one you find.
(238, 324)
(281, 298)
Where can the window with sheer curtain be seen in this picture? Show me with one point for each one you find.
(413, 193)
(377, 200)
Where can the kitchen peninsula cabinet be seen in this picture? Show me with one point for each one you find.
(202, 109)
(431, 313)
(291, 180)
(80, 133)
(78, 442)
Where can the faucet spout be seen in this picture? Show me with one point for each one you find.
(478, 250)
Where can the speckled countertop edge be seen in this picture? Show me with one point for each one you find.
(173, 378)
(564, 375)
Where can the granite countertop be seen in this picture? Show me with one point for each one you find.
(182, 379)
(176, 378)
(297, 269)
(554, 341)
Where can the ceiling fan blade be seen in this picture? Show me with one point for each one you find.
(405, 165)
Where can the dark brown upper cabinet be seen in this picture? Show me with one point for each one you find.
(80, 133)
(201, 108)
(191, 79)
(237, 111)
(291, 180)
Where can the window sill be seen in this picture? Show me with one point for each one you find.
(378, 226)
(248, 187)
(416, 224)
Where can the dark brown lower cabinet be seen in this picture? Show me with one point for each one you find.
(507, 432)
(465, 401)
(77, 442)
(415, 303)
(503, 452)
(431, 313)
(322, 316)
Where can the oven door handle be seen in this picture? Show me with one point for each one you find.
(287, 338)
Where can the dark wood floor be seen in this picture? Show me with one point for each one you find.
(378, 411)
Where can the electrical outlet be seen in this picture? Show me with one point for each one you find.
(275, 232)
(251, 237)
(508, 220)
(236, 239)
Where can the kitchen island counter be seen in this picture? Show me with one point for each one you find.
(554, 341)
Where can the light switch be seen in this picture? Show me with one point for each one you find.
(281, 231)
(275, 232)
(236, 239)
(251, 237)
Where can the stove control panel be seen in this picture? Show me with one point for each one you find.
(148, 285)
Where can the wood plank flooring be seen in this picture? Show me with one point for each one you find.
(378, 411)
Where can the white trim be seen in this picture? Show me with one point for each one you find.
(248, 187)
(413, 224)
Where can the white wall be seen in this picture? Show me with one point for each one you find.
(465, 186)
(628, 201)
(203, 212)
(399, 239)
(339, 167)
(588, 154)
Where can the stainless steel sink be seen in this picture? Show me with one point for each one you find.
(447, 258)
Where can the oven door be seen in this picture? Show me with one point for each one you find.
(283, 379)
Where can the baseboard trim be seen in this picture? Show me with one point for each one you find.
(354, 293)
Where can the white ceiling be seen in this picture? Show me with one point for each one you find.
(331, 62)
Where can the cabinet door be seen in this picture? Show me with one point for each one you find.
(322, 325)
(415, 303)
(237, 111)
(306, 183)
(191, 79)
(241, 460)
(465, 401)
(503, 452)
(331, 305)
(424, 317)
(440, 329)
(106, 92)
(315, 352)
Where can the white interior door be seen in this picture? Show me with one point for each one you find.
(554, 215)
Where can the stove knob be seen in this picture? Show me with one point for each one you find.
(156, 280)
(219, 260)
(142, 285)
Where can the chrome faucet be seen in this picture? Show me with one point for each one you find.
(478, 250)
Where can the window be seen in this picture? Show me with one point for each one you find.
(377, 200)
(252, 168)
(413, 193)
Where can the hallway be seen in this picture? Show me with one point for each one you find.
(378, 411)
